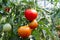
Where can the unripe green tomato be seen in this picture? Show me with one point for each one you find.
(7, 27)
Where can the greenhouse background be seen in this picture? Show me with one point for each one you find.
(48, 19)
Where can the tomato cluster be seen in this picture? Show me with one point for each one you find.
(25, 31)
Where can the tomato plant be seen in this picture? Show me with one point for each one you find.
(33, 24)
(43, 18)
(30, 14)
(24, 31)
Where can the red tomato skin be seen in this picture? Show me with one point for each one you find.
(7, 9)
(30, 14)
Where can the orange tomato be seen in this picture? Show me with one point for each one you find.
(24, 31)
(33, 24)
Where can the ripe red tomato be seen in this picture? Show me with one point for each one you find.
(7, 9)
(33, 24)
(30, 14)
(24, 31)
